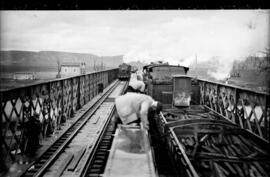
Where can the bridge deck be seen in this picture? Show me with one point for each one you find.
(130, 154)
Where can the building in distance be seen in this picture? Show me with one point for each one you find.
(71, 69)
(24, 76)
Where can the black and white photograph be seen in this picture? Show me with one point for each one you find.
(135, 93)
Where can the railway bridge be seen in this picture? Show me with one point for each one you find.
(79, 107)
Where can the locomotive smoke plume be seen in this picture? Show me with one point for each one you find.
(216, 40)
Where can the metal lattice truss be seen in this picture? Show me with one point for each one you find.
(53, 102)
(246, 108)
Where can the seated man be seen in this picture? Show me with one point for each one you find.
(133, 108)
(32, 132)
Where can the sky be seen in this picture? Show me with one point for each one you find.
(176, 36)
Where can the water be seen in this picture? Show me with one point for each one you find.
(39, 75)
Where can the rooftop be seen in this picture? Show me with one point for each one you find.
(71, 64)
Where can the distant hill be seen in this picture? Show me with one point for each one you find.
(47, 60)
(252, 63)
(254, 70)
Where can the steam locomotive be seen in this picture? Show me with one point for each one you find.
(124, 71)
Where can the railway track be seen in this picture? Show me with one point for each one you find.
(70, 152)
(96, 164)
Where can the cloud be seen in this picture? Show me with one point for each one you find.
(215, 36)
(173, 36)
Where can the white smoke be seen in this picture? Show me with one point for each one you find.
(181, 39)
(223, 69)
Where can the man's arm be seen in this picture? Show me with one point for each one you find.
(143, 115)
(142, 87)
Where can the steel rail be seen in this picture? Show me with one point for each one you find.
(103, 138)
(96, 147)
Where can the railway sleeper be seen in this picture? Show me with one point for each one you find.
(101, 153)
(38, 165)
(54, 148)
(97, 161)
(100, 157)
(108, 138)
(93, 175)
(107, 142)
(42, 161)
(95, 170)
(105, 147)
(46, 157)
(95, 165)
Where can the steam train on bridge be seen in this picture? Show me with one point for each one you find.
(124, 71)
(206, 129)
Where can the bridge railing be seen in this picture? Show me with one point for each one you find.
(247, 108)
(53, 102)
